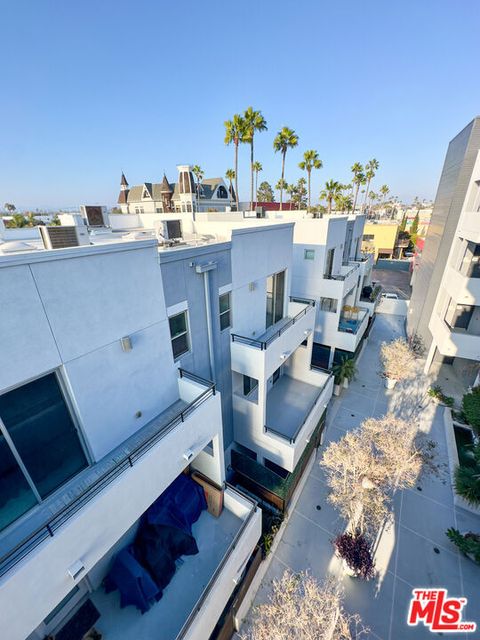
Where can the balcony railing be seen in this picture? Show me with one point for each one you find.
(292, 439)
(264, 344)
(349, 324)
(52, 524)
(223, 562)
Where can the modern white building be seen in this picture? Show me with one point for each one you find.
(96, 422)
(445, 306)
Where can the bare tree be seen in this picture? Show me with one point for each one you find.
(366, 466)
(300, 607)
(398, 359)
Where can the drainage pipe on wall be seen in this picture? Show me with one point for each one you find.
(205, 270)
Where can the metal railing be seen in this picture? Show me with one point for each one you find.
(292, 439)
(358, 322)
(223, 561)
(53, 523)
(264, 344)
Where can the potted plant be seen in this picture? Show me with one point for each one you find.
(354, 550)
(439, 397)
(468, 543)
(343, 372)
(397, 360)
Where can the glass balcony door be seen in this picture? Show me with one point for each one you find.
(275, 298)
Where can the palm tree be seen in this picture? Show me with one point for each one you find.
(282, 185)
(357, 180)
(384, 190)
(230, 175)
(332, 190)
(310, 161)
(254, 121)
(235, 133)
(257, 167)
(198, 173)
(370, 169)
(343, 202)
(285, 139)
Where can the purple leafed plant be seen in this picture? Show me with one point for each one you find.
(355, 550)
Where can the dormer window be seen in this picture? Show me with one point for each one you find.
(145, 194)
(222, 192)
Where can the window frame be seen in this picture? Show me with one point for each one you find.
(329, 309)
(179, 335)
(252, 388)
(227, 311)
(309, 254)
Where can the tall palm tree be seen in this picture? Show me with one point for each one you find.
(370, 170)
(198, 173)
(357, 180)
(343, 202)
(235, 134)
(230, 175)
(285, 139)
(384, 190)
(257, 167)
(254, 121)
(282, 185)
(332, 190)
(310, 161)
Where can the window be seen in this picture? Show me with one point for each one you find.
(458, 316)
(368, 237)
(309, 254)
(329, 263)
(158, 210)
(249, 384)
(224, 308)
(275, 295)
(328, 304)
(222, 192)
(276, 375)
(179, 334)
(189, 207)
(39, 446)
(145, 194)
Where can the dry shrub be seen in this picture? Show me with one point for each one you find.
(397, 359)
(299, 608)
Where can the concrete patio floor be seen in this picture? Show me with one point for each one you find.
(414, 550)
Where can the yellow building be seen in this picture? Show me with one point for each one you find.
(379, 238)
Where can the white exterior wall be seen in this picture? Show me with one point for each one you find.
(68, 309)
(454, 285)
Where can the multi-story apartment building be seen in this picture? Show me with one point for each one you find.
(97, 421)
(445, 305)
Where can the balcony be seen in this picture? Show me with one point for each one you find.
(199, 590)
(293, 410)
(351, 327)
(469, 227)
(260, 357)
(454, 342)
(87, 516)
(462, 288)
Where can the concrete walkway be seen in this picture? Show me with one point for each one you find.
(413, 551)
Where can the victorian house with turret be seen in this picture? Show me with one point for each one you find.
(183, 196)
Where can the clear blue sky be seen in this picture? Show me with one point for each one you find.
(93, 87)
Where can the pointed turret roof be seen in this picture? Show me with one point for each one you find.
(123, 180)
(166, 188)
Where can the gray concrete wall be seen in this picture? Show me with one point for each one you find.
(182, 283)
(454, 180)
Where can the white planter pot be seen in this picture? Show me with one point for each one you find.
(345, 383)
(390, 383)
(337, 389)
(347, 571)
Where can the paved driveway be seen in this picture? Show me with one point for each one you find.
(413, 551)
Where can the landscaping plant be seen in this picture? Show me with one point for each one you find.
(355, 550)
(300, 608)
(468, 543)
(467, 481)
(365, 467)
(437, 393)
(346, 368)
(397, 359)
(471, 409)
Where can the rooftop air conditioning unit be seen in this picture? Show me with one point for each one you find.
(95, 216)
(63, 237)
(168, 230)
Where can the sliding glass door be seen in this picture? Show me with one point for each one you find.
(275, 298)
(39, 446)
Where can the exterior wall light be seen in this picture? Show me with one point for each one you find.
(126, 343)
